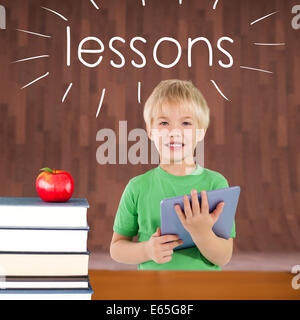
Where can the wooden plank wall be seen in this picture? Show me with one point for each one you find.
(253, 139)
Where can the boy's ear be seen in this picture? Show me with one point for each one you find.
(200, 134)
(149, 132)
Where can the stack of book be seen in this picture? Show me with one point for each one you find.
(43, 249)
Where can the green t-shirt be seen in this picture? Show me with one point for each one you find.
(139, 211)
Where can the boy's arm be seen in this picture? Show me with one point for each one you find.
(158, 248)
(215, 249)
(124, 250)
(199, 222)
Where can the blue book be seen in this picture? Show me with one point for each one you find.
(34, 212)
(36, 201)
(46, 294)
(35, 282)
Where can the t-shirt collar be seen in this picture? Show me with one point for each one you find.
(197, 171)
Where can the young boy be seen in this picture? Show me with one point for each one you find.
(176, 116)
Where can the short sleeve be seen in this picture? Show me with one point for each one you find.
(223, 183)
(126, 223)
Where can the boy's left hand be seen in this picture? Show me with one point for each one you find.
(196, 220)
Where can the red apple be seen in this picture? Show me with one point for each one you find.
(54, 185)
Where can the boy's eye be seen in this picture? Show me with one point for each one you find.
(185, 123)
(163, 123)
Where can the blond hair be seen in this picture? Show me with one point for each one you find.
(181, 93)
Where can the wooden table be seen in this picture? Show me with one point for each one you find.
(192, 285)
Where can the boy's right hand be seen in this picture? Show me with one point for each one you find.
(157, 248)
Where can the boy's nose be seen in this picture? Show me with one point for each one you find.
(175, 132)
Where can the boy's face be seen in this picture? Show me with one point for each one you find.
(175, 133)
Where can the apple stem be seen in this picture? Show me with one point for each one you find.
(47, 169)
